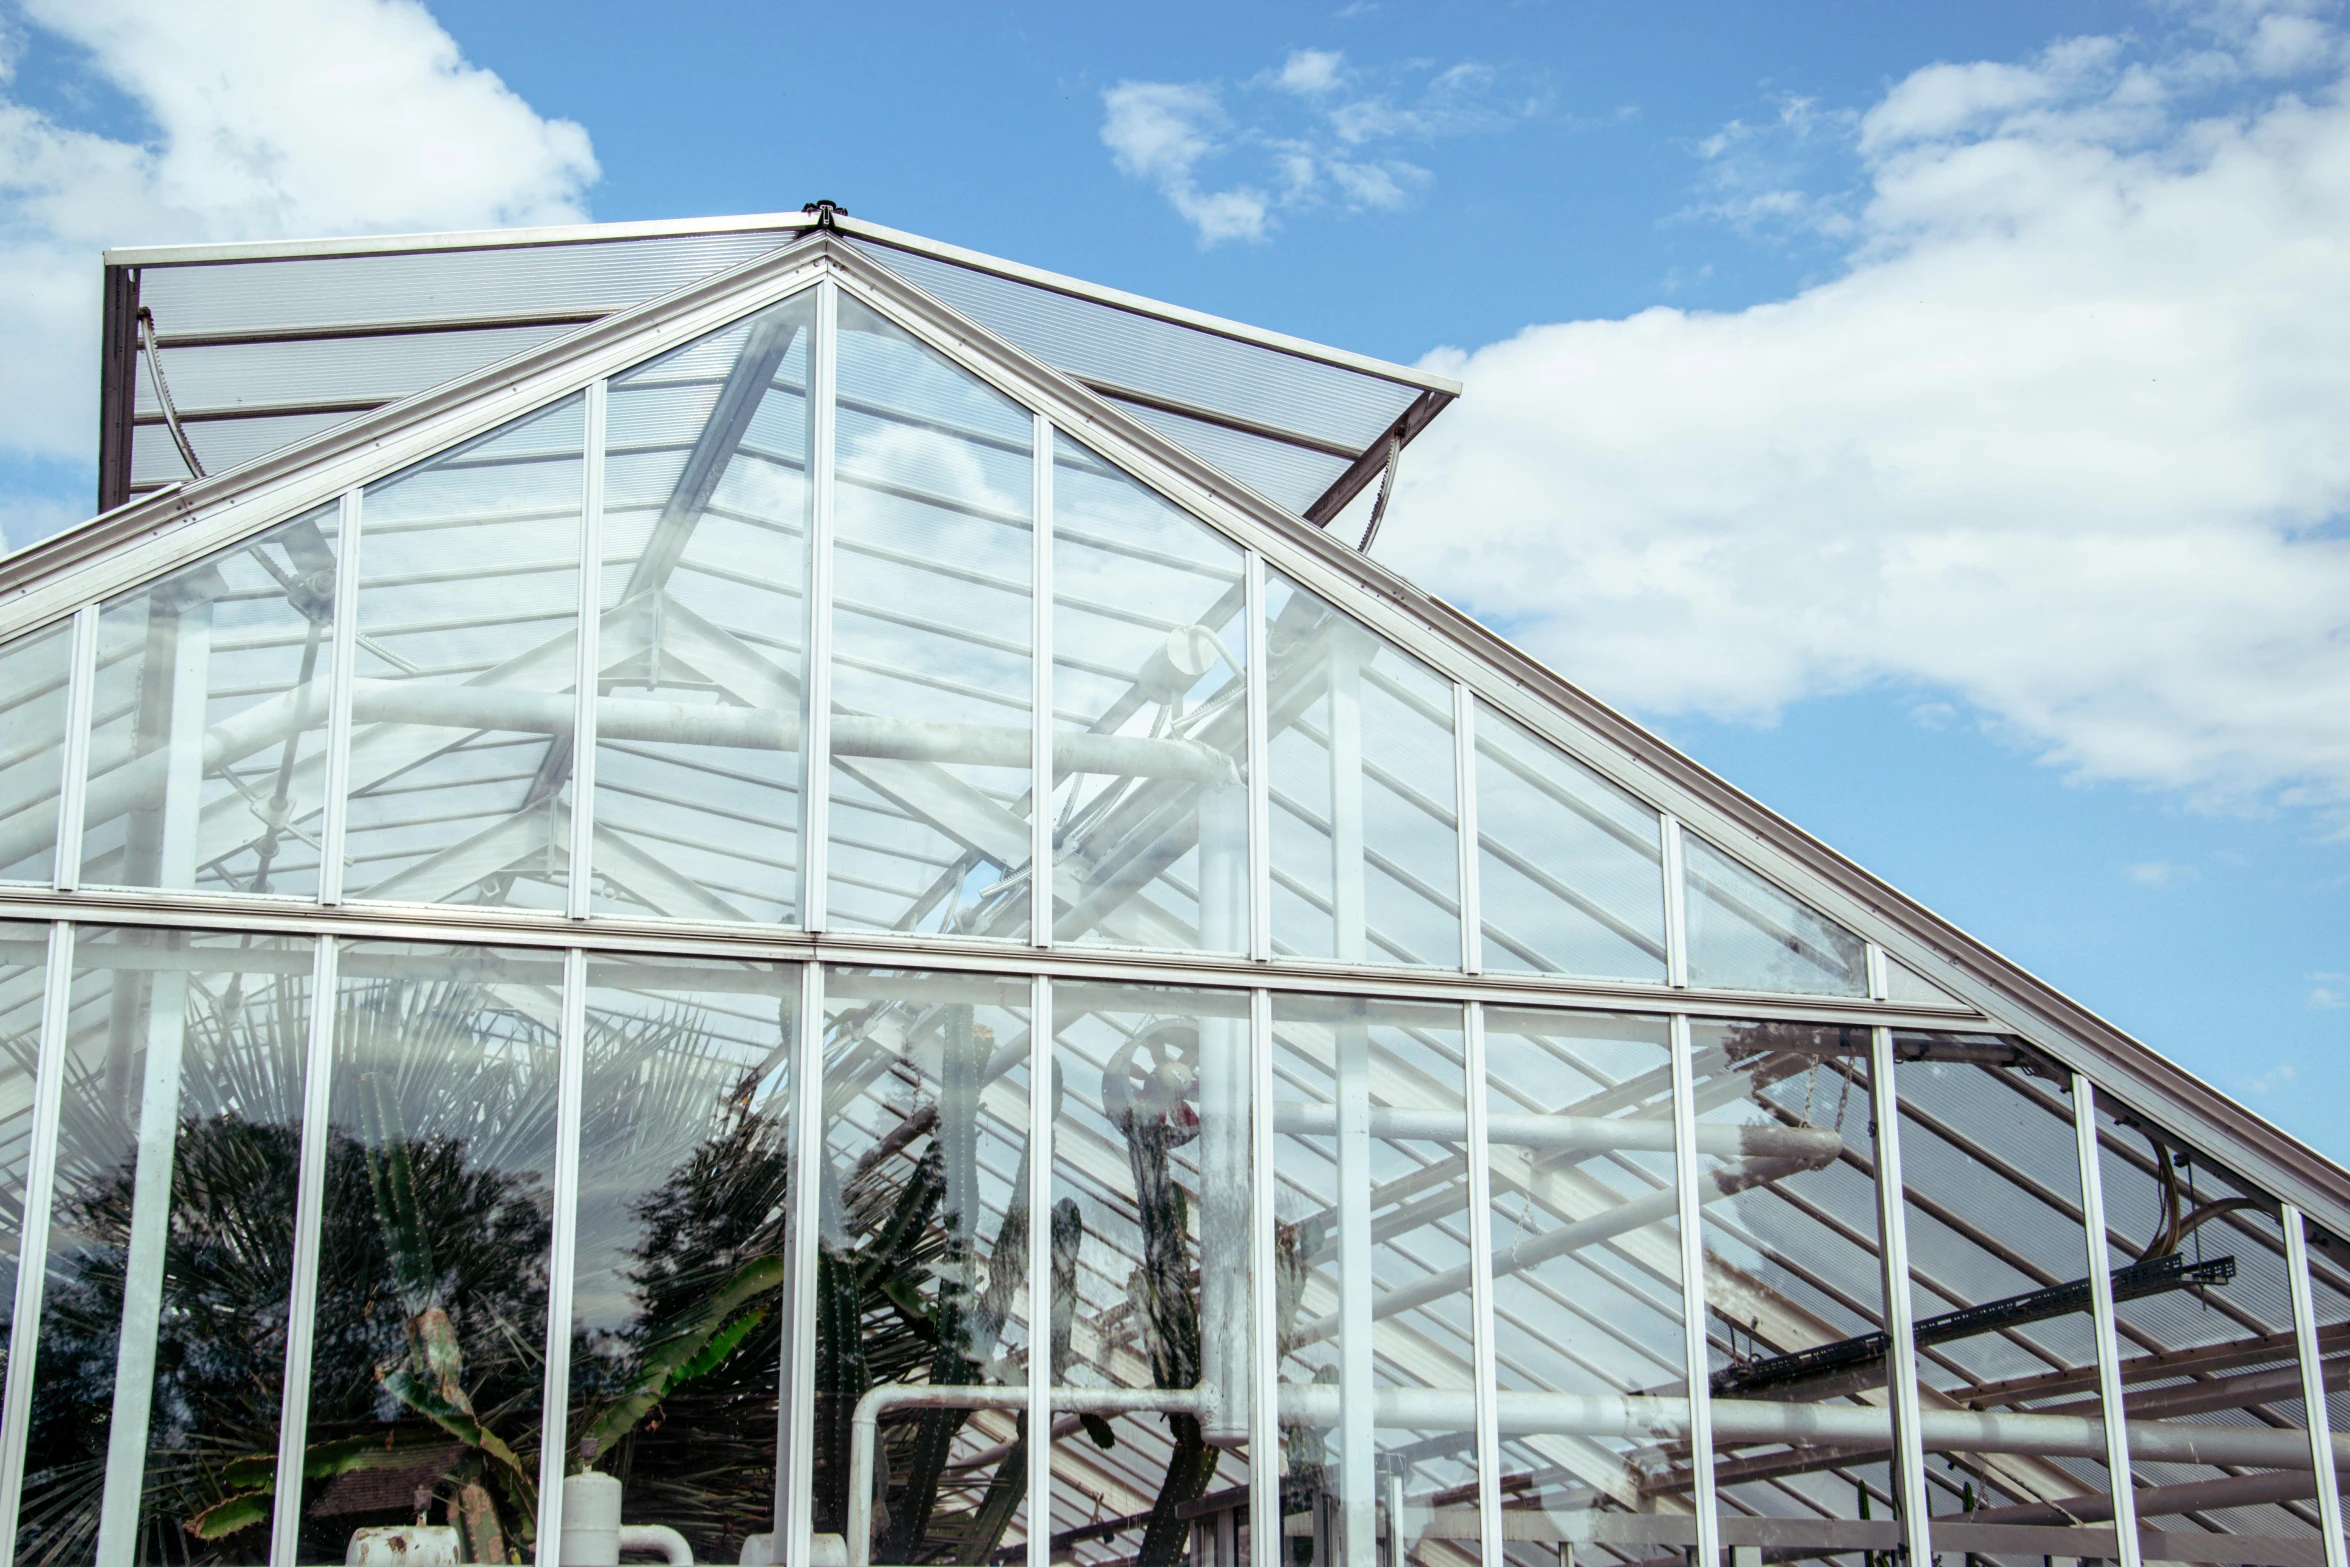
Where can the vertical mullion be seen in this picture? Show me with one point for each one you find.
(1880, 977)
(1464, 789)
(1260, 780)
(795, 1467)
(588, 675)
(2313, 1393)
(816, 644)
(2109, 1370)
(337, 808)
(1264, 1437)
(32, 1257)
(1040, 1270)
(293, 1421)
(73, 784)
(1901, 1352)
(1676, 901)
(1693, 1308)
(1481, 1284)
(555, 1403)
(1040, 702)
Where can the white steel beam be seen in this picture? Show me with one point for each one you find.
(1901, 1355)
(337, 802)
(588, 667)
(293, 1426)
(1694, 1348)
(562, 1250)
(816, 601)
(2314, 1404)
(2109, 1375)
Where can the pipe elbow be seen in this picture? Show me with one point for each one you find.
(657, 1537)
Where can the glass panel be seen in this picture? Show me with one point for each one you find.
(23, 951)
(1587, 1283)
(1150, 833)
(1745, 934)
(1373, 1282)
(33, 675)
(2211, 1381)
(163, 1315)
(675, 1330)
(1570, 877)
(426, 1381)
(933, 552)
(468, 598)
(1999, 1294)
(923, 1255)
(1903, 986)
(208, 742)
(1150, 1250)
(1786, 1156)
(705, 552)
(1366, 846)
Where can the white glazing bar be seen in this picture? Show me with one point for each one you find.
(1880, 977)
(293, 1423)
(1260, 770)
(2109, 1369)
(1693, 1307)
(1040, 702)
(1901, 1357)
(1481, 1285)
(32, 1257)
(1356, 1364)
(579, 874)
(1264, 1450)
(1464, 788)
(1348, 912)
(816, 640)
(795, 1461)
(2313, 1395)
(563, 1246)
(1676, 902)
(74, 783)
(338, 724)
(1040, 1270)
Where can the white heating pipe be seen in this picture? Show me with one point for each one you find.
(1575, 1133)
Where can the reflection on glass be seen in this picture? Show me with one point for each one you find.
(1150, 824)
(705, 551)
(428, 1370)
(1998, 1292)
(1366, 852)
(1150, 1251)
(1745, 934)
(460, 704)
(208, 734)
(1570, 877)
(1786, 1157)
(1587, 1282)
(23, 950)
(163, 1318)
(1373, 1297)
(675, 1335)
(933, 551)
(922, 1256)
(33, 671)
(2211, 1383)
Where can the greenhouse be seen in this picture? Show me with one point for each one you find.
(763, 891)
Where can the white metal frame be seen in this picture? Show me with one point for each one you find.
(816, 669)
(1042, 723)
(579, 873)
(1694, 1347)
(302, 1299)
(1901, 1359)
(2313, 1393)
(2109, 1376)
(32, 1255)
(562, 1250)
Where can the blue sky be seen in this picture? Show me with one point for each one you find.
(1925, 415)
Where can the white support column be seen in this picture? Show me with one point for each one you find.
(32, 1257)
(1040, 1270)
(1357, 1474)
(1348, 916)
(1481, 1284)
(1040, 702)
(579, 871)
(2313, 1394)
(1901, 1355)
(1693, 1306)
(1260, 769)
(74, 783)
(795, 1460)
(562, 1249)
(1265, 1456)
(1464, 788)
(337, 806)
(816, 640)
(1676, 902)
(293, 1423)
(2109, 1371)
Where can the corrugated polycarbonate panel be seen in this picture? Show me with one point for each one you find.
(1183, 363)
(1289, 476)
(341, 369)
(221, 444)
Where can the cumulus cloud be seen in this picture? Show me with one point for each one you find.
(2060, 441)
(1316, 133)
(264, 119)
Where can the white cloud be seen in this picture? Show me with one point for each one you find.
(1162, 132)
(2159, 873)
(1311, 72)
(267, 119)
(2328, 992)
(2062, 440)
